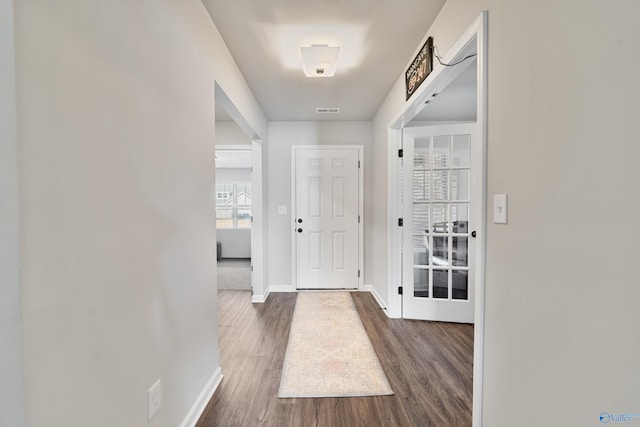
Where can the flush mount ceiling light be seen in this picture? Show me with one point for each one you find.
(319, 60)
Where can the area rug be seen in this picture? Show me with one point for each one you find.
(329, 353)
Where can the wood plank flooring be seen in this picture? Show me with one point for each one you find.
(429, 366)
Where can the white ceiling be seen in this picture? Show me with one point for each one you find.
(457, 102)
(377, 38)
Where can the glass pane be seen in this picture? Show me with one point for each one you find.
(421, 185)
(460, 284)
(420, 250)
(243, 192)
(461, 151)
(224, 194)
(440, 283)
(440, 251)
(459, 250)
(224, 217)
(460, 184)
(420, 283)
(244, 217)
(441, 152)
(439, 217)
(440, 185)
(421, 153)
(460, 217)
(420, 219)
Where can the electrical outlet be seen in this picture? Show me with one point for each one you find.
(154, 398)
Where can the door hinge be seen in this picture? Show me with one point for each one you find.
(252, 268)
(399, 290)
(358, 274)
(401, 153)
(358, 164)
(400, 222)
(358, 219)
(251, 218)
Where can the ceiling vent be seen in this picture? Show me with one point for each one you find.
(327, 110)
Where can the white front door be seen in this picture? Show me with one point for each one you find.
(440, 201)
(326, 218)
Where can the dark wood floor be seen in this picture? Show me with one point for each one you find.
(429, 366)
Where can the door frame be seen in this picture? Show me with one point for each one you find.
(294, 248)
(473, 40)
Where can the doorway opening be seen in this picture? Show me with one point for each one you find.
(233, 198)
(238, 200)
(473, 41)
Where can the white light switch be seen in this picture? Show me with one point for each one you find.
(282, 210)
(500, 209)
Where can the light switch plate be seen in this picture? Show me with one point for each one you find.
(500, 209)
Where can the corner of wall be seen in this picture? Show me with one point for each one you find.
(11, 366)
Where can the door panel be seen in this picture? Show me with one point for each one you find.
(326, 218)
(440, 211)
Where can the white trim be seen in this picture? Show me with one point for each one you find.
(394, 233)
(434, 83)
(257, 215)
(261, 298)
(192, 417)
(376, 295)
(479, 327)
(294, 254)
(238, 147)
(282, 288)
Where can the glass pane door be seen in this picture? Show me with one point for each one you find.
(438, 178)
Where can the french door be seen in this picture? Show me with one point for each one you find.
(326, 218)
(440, 204)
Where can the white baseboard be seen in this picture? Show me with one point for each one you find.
(282, 288)
(259, 299)
(376, 295)
(201, 402)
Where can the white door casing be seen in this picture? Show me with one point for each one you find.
(441, 195)
(326, 217)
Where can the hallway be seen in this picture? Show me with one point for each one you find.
(429, 366)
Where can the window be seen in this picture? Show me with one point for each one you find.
(233, 205)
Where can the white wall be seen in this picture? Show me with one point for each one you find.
(234, 175)
(282, 136)
(115, 127)
(11, 382)
(562, 293)
(236, 243)
(562, 298)
(229, 133)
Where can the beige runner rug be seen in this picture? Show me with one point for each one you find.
(329, 353)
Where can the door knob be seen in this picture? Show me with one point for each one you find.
(299, 230)
(473, 234)
(300, 220)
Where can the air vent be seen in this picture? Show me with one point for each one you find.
(327, 110)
